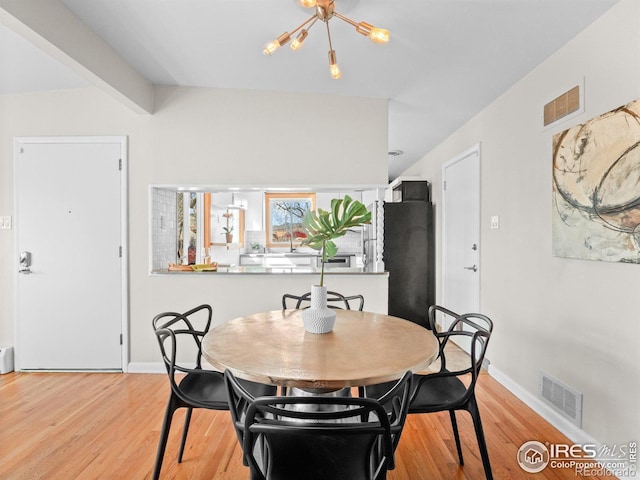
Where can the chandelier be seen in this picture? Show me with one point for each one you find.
(325, 11)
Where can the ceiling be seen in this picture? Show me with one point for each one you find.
(447, 59)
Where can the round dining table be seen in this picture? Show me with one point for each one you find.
(364, 348)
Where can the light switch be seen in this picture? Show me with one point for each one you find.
(495, 222)
(5, 223)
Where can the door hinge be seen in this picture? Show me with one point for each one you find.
(120, 164)
(120, 339)
(120, 251)
(444, 185)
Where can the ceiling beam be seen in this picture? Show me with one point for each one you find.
(57, 31)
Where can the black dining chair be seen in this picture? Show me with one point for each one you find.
(334, 300)
(191, 385)
(445, 390)
(316, 437)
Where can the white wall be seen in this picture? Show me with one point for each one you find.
(200, 136)
(577, 320)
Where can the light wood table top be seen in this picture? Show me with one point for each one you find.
(364, 348)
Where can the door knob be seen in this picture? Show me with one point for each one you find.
(474, 268)
(25, 263)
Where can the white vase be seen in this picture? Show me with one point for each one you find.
(318, 318)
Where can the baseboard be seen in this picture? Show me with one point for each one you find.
(155, 367)
(573, 433)
(146, 367)
(567, 428)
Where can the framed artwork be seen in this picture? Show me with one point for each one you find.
(596, 188)
(284, 212)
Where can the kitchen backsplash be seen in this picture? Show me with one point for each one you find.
(350, 243)
(164, 228)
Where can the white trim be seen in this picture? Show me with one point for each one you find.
(124, 227)
(461, 156)
(159, 367)
(565, 427)
(474, 150)
(271, 187)
(64, 370)
(146, 367)
(124, 241)
(150, 227)
(568, 429)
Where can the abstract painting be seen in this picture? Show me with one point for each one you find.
(596, 188)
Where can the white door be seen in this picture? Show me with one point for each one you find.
(69, 300)
(461, 232)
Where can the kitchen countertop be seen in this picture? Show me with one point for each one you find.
(295, 254)
(261, 270)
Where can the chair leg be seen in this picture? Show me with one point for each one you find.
(482, 444)
(187, 421)
(456, 435)
(172, 405)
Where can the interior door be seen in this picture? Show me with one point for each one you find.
(461, 233)
(69, 287)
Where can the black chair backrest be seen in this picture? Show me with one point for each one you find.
(474, 329)
(182, 331)
(318, 437)
(396, 402)
(239, 401)
(334, 300)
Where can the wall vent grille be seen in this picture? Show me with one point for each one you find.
(562, 398)
(562, 106)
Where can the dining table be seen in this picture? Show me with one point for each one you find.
(363, 349)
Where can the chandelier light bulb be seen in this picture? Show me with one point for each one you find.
(335, 71)
(379, 35)
(297, 43)
(271, 47)
(307, 3)
(333, 66)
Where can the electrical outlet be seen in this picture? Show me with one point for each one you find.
(495, 222)
(5, 223)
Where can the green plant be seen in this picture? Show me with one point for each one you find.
(324, 226)
(227, 230)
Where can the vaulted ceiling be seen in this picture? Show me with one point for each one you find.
(446, 61)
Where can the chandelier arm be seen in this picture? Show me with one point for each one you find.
(328, 35)
(345, 19)
(315, 19)
(333, 64)
(312, 17)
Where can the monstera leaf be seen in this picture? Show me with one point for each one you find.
(324, 226)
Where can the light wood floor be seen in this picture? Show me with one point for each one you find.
(66, 426)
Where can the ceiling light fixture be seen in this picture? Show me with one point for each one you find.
(325, 11)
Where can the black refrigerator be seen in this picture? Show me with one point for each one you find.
(409, 257)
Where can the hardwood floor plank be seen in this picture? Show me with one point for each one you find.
(90, 426)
